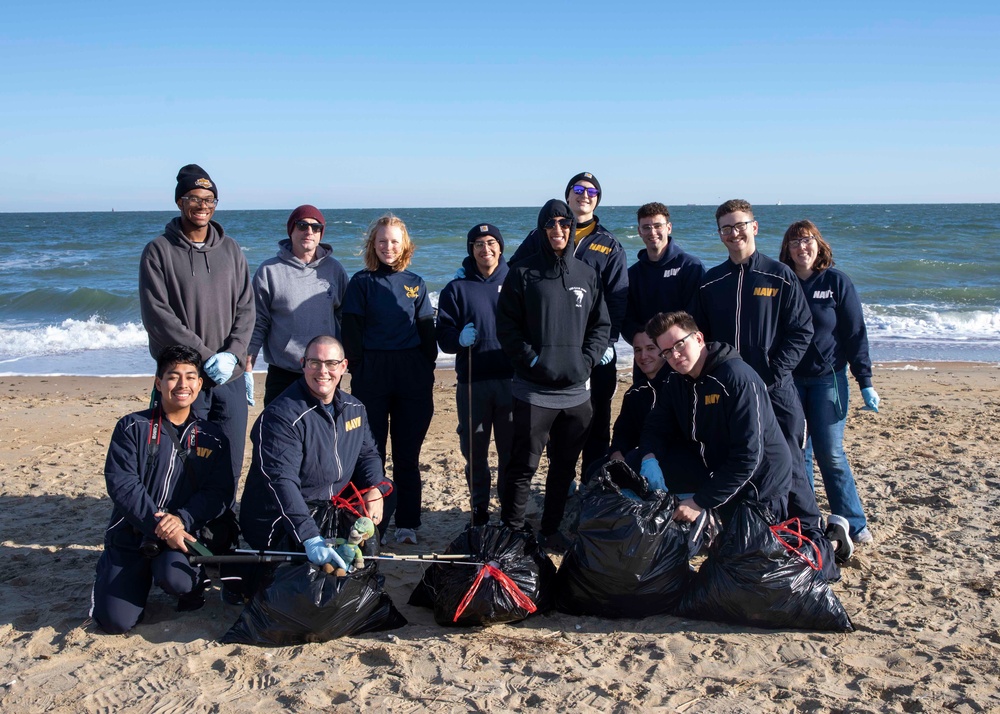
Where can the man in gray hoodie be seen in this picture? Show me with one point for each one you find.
(194, 290)
(298, 294)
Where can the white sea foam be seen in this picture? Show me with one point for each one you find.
(67, 337)
(924, 322)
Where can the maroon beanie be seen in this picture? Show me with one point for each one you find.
(305, 211)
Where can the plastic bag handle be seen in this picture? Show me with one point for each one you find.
(520, 599)
(786, 528)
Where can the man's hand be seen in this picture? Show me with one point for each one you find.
(170, 529)
(374, 502)
(687, 511)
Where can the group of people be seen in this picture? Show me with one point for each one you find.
(731, 363)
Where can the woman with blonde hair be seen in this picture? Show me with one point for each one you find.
(388, 330)
(839, 339)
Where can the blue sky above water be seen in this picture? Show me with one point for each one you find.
(458, 104)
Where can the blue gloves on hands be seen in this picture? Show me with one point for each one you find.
(534, 361)
(459, 274)
(319, 553)
(871, 399)
(650, 470)
(609, 354)
(468, 336)
(219, 367)
(248, 379)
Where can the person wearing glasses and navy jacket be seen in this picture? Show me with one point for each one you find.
(596, 246)
(168, 474)
(195, 290)
(298, 295)
(467, 327)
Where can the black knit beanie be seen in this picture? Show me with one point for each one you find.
(590, 178)
(193, 176)
(481, 231)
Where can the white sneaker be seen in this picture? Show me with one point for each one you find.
(406, 536)
(837, 529)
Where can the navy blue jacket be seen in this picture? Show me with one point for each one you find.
(665, 285)
(839, 333)
(551, 307)
(638, 401)
(387, 310)
(601, 251)
(474, 299)
(302, 452)
(725, 416)
(758, 308)
(140, 486)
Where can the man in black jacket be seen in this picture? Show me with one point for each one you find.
(553, 325)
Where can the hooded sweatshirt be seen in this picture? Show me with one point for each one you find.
(552, 307)
(196, 296)
(663, 285)
(295, 302)
(473, 299)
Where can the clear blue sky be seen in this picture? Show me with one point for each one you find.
(386, 104)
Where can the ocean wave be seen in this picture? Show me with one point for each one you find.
(43, 305)
(928, 322)
(69, 336)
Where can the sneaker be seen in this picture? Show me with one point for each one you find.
(837, 529)
(481, 516)
(406, 536)
(556, 542)
(862, 537)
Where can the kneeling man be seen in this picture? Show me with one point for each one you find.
(168, 474)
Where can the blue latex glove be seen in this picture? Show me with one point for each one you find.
(609, 354)
(871, 399)
(219, 367)
(459, 274)
(248, 378)
(651, 471)
(534, 361)
(320, 553)
(468, 336)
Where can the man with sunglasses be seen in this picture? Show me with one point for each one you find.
(596, 246)
(467, 327)
(298, 294)
(553, 326)
(194, 290)
(309, 444)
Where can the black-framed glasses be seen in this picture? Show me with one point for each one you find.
(741, 227)
(482, 244)
(590, 191)
(650, 227)
(198, 201)
(558, 223)
(678, 346)
(309, 227)
(317, 364)
(801, 242)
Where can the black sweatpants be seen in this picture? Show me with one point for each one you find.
(277, 381)
(565, 431)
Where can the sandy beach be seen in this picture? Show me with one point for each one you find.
(923, 597)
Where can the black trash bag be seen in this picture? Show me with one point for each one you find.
(754, 577)
(514, 579)
(629, 559)
(304, 604)
(299, 603)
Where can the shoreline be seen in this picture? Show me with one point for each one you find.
(923, 598)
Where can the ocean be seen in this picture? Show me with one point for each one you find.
(928, 275)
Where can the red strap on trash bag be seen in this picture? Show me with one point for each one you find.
(792, 530)
(355, 500)
(520, 599)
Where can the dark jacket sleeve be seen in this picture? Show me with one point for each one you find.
(428, 345)
(628, 426)
(216, 486)
(660, 426)
(797, 334)
(448, 317)
(238, 342)
(511, 320)
(596, 340)
(123, 476)
(281, 457)
(630, 325)
(158, 317)
(615, 285)
(853, 334)
(528, 247)
(368, 469)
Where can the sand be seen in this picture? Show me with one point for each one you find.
(923, 598)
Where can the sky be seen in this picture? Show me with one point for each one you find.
(390, 104)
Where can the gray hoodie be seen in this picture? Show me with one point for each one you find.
(295, 302)
(199, 297)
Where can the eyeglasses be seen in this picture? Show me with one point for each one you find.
(198, 202)
(590, 190)
(309, 227)
(678, 346)
(481, 244)
(650, 227)
(741, 227)
(317, 364)
(801, 242)
(558, 223)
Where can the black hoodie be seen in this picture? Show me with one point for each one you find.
(551, 307)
